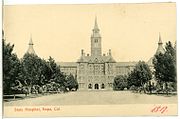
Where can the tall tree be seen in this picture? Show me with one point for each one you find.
(120, 82)
(71, 82)
(11, 67)
(32, 70)
(140, 75)
(165, 64)
(55, 74)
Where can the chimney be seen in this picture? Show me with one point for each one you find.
(82, 52)
(110, 52)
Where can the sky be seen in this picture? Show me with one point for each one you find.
(131, 31)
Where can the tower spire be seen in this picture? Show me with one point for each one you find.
(95, 40)
(30, 48)
(95, 23)
(30, 41)
(160, 48)
(160, 41)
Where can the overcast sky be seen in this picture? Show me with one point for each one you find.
(61, 31)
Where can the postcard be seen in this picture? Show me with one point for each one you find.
(89, 60)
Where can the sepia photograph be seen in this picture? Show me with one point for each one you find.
(89, 60)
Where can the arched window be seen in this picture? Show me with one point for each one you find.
(102, 86)
(90, 86)
(96, 86)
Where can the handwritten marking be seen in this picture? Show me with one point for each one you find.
(160, 109)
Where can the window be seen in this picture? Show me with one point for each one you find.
(81, 66)
(96, 86)
(97, 69)
(90, 86)
(102, 69)
(102, 86)
(95, 40)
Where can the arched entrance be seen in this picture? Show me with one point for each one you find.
(90, 86)
(96, 86)
(102, 86)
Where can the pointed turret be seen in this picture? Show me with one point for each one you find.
(96, 24)
(160, 41)
(160, 48)
(31, 49)
(96, 40)
(30, 41)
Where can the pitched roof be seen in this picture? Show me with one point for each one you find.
(30, 48)
(150, 61)
(63, 64)
(126, 64)
(160, 48)
(74, 64)
(96, 59)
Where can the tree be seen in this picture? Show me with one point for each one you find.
(165, 65)
(140, 75)
(31, 70)
(71, 82)
(11, 67)
(120, 82)
(55, 74)
(133, 80)
(45, 73)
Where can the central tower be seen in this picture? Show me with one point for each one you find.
(95, 40)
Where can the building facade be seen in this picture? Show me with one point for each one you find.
(96, 71)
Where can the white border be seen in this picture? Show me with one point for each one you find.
(18, 2)
(1, 108)
(13, 2)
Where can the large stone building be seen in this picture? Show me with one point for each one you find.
(96, 71)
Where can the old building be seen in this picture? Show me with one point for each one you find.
(96, 71)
